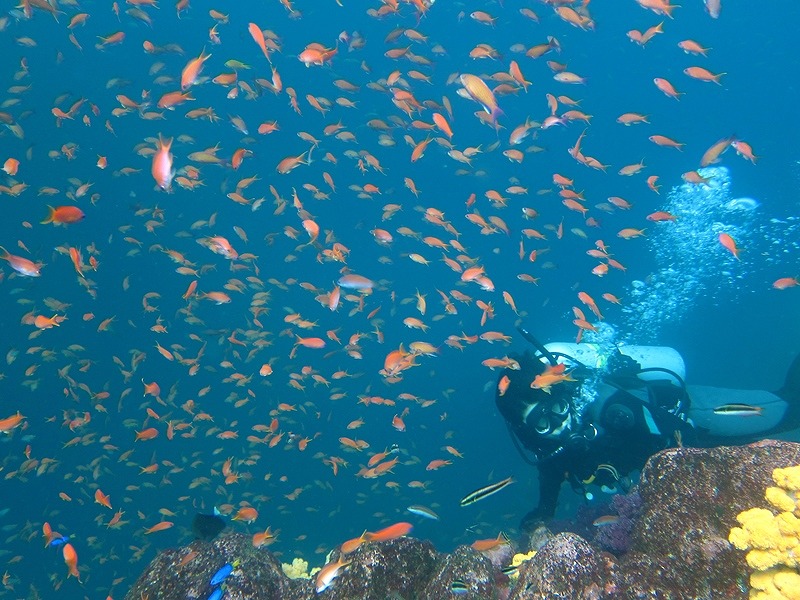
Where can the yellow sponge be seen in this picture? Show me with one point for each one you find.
(297, 570)
(775, 584)
(788, 478)
(781, 499)
(773, 540)
(520, 558)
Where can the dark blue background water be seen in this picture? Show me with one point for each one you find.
(744, 335)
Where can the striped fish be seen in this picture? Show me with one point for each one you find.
(423, 511)
(485, 492)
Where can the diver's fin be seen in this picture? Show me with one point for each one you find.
(791, 386)
(790, 393)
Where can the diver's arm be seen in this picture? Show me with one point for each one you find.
(551, 475)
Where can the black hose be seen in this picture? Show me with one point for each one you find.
(520, 449)
(677, 377)
(682, 406)
(538, 345)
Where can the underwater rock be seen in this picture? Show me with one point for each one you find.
(691, 496)
(178, 574)
(679, 548)
(566, 567)
(398, 568)
(466, 573)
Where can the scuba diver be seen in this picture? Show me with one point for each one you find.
(593, 412)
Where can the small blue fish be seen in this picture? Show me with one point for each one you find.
(222, 574)
(217, 594)
(59, 541)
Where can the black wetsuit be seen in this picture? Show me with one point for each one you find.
(625, 445)
(637, 419)
(623, 429)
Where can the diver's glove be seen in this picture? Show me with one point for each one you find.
(535, 519)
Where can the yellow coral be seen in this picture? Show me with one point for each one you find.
(788, 582)
(775, 584)
(773, 540)
(297, 570)
(758, 530)
(788, 478)
(762, 560)
(789, 526)
(520, 558)
(781, 499)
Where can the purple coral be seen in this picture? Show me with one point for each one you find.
(628, 505)
(616, 537)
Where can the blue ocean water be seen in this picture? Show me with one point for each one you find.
(680, 287)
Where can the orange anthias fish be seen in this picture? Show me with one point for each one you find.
(666, 87)
(552, 375)
(502, 385)
(192, 70)
(11, 422)
(442, 124)
(490, 544)
(10, 166)
(42, 322)
(729, 244)
(64, 214)
(703, 74)
(478, 91)
(146, 434)
(317, 54)
(248, 514)
(160, 526)
(353, 544)
(589, 301)
(161, 169)
(660, 7)
(389, 533)
(712, 155)
(327, 574)
(785, 283)
(71, 560)
(744, 149)
(258, 38)
(661, 215)
(292, 162)
(220, 245)
(264, 538)
(20, 264)
(101, 498)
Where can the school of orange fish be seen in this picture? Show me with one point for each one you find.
(163, 227)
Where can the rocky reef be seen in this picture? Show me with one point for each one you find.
(675, 548)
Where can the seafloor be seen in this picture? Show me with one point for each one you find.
(673, 546)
